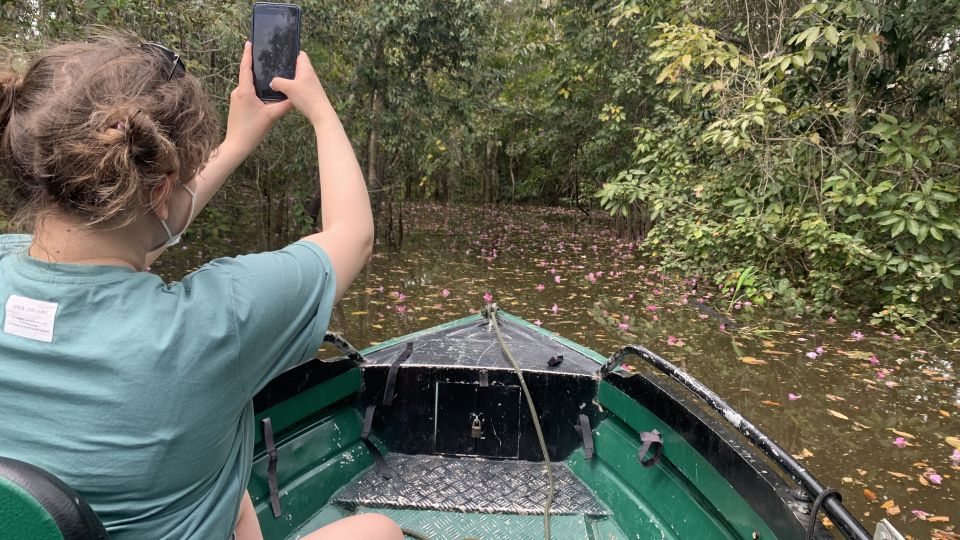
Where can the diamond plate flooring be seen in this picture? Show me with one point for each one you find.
(471, 486)
(454, 526)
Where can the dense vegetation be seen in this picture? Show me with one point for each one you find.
(797, 153)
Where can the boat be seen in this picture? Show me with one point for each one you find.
(491, 427)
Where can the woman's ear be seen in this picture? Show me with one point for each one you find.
(160, 195)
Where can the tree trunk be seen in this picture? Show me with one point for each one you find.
(374, 180)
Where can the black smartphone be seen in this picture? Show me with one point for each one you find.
(276, 44)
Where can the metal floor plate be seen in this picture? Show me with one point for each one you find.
(470, 485)
(456, 526)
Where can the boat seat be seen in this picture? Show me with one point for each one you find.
(36, 505)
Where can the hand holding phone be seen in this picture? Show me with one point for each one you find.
(276, 44)
(306, 93)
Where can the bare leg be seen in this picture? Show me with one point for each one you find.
(248, 527)
(360, 527)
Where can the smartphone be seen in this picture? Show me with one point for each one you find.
(276, 44)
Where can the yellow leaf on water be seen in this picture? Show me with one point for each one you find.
(923, 480)
(870, 495)
(753, 361)
(888, 504)
(838, 415)
(377, 326)
(355, 313)
(943, 413)
(770, 403)
(902, 433)
(893, 510)
(899, 474)
(938, 518)
(954, 442)
(803, 454)
(832, 397)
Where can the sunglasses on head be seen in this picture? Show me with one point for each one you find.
(176, 64)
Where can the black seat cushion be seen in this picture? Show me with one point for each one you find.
(73, 516)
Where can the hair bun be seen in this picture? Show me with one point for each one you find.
(132, 149)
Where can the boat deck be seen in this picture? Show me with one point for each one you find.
(448, 498)
(472, 344)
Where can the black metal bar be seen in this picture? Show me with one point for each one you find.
(848, 525)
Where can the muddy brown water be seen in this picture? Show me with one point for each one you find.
(869, 412)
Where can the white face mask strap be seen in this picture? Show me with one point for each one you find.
(171, 239)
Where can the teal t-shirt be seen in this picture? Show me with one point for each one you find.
(137, 393)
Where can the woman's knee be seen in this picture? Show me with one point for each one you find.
(359, 527)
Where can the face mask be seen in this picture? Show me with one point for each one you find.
(174, 239)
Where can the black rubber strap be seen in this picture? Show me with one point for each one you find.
(392, 376)
(651, 440)
(555, 360)
(815, 509)
(271, 467)
(382, 466)
(583, 428)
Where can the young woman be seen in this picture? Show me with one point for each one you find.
(135, 392)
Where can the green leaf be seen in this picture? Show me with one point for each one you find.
(831, 35)
(897, 229)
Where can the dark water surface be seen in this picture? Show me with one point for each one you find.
(871, 413)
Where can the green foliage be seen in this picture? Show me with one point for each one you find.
(823, 157)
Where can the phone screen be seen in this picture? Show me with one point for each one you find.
(276, 44)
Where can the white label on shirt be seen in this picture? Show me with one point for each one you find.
(29, 318)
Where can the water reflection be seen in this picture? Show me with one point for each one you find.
(870, 413)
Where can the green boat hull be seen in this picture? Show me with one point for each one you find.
(321, 455)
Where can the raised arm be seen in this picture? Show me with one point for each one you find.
(347, 235)
(248, 122)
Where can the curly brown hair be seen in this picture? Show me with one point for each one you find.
(92, 127)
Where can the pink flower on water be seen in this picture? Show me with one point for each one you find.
(793, 397)
(812, 354)
(874, 360)
(896, 337)
(487, 297)
(591, 278)
(630, 296)
(540, 287)
(820, 350)
(380, 288)
(935, 478)
(400, 296)
(671, 340)
(401, 308)
(445, 293)
(955, 456)
(623, 326)
(554, 309)
(899, 442)
(856, 335)
(920, 514)
(537, 322)
(831, 320)
(553, 270)
(881, 374)
(556, 278)
(651, 307)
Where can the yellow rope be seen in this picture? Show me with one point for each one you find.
(491, 313)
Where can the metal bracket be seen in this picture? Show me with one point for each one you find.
(885, 531)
